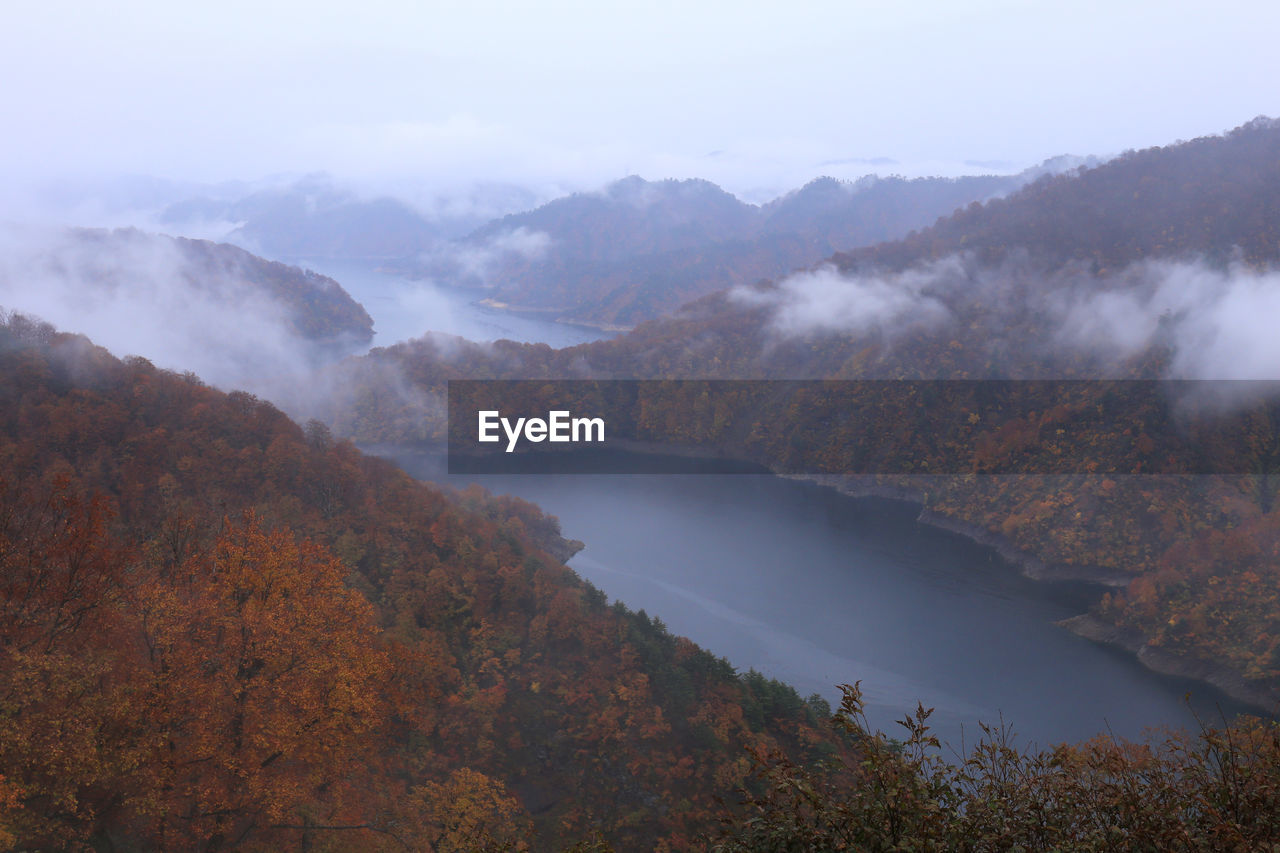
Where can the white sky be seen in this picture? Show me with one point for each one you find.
(584, 92)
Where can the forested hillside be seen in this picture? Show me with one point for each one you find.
(1212, 197)
(224, 631)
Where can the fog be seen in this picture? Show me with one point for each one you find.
(558, 96)
(824, 302)
(1220, 322)
(476, 262)
(140, 296)
(1217, 320)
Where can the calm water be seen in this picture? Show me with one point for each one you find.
(818, 589)
(403, 308)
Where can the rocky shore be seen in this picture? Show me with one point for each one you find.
(1221, 676)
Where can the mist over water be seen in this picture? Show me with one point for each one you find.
(404, 308)
(817, 589)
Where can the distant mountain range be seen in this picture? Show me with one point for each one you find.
(639, 249)
(314, 218)
(612, 258)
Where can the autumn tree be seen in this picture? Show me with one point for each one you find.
(268, 675)
(68, 734)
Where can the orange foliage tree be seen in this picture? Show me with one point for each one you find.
(267, 676)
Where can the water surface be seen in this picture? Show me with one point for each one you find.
(818, 589)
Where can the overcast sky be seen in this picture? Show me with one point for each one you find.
(751, 95)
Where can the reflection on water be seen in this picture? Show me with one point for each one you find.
(818, 589)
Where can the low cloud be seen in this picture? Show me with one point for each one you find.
(825, 302)
(524, 242)
(1203, 320)
(136, 294)
(478, 262)
(1219, 322)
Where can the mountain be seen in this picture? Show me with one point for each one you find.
(316, 218)
(230, 301)
(874, 209)
(1211, 197)
(638, 249)
(311, 219)
(317, 307)
(631, 213)
(219, 629)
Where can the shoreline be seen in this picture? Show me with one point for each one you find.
(1028, 564)
(1156, 659)
(542, 313)
(1087, 625)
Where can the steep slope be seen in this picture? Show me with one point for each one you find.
(221, 630)
(1210, 196)
(318, 308)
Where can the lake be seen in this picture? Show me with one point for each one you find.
(818, 589)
